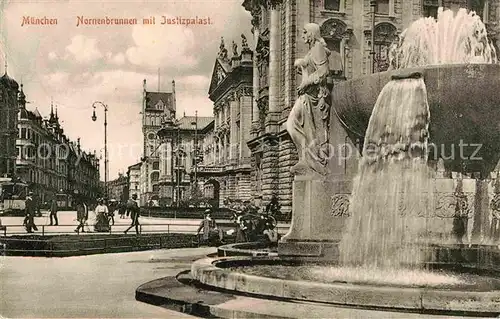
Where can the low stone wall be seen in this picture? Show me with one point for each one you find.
(73, 245)
(254, 249)
(216, 273)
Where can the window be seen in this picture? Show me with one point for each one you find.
(332, 5)
(430, 8)
(156, 165)
(151, 136)
(385, 35)
(335, 60)
(24, 134)
(334, 31)
(479, 7)
(382, 7)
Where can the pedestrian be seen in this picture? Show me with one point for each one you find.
(102, 213)
(82, 214)
(38, 204)
(128, 212)
(30, 211)
(53, 212)
(133, 207)
(111, 210)
(122, 208)
(209, 227)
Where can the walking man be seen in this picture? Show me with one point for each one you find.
(82, 214)
(30, 211)
(53, 212)
(133, 207)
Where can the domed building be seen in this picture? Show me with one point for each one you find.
(8, 125)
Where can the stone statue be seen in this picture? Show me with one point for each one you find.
(244, 43)
(235, 49)
(308, 122)
(222, 50)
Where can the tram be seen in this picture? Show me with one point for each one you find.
(12, 196)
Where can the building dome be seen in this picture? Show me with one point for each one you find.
(7, 81)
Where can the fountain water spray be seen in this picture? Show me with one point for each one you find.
(393, 193)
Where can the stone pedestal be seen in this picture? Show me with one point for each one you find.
(319, 212)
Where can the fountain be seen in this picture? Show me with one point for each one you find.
(407, 226)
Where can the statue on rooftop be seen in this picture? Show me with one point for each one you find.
(222, 50)
(244, 43)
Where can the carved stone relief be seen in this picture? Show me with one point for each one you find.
(340, 205)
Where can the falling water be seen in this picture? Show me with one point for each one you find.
(392, 195)
(454, 38)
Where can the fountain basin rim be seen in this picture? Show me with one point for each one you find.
(417, 299)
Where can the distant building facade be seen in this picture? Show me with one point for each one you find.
(156, 106)
(48, 161)
(118, 188)
(347, 29)
(180, 155)
(225, 171)
(8, 125)
(134, 180)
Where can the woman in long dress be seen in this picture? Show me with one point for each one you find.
(308, 121)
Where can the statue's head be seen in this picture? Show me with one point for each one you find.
(311, 33)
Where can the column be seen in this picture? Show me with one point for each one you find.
(274, 68)
(168, 158)
(256, 87)
(234, 106)
(245, 116)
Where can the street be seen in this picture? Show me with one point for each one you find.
(97, 286)
(67, 223)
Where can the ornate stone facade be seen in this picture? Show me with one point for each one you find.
(48, 161)
(8, 124)
(118, 188)
(226, 168)
(346, 27)
(180, 155)
(156, 107)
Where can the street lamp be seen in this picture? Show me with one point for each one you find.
(94, 118)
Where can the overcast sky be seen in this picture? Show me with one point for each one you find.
(76, 66)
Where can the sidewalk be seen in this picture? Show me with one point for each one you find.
(68, 223)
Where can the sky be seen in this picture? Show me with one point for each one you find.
(74, 66)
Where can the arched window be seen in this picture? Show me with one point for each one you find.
(334, 31)
(385, 35)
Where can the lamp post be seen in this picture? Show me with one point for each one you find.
(94, 118)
